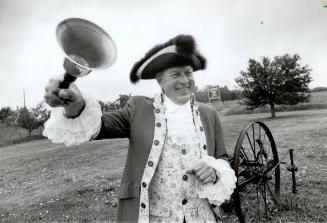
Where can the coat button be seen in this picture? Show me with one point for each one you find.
(150, 163)
(157, 110)
(183, 151)
(184, 201)
(156, 142)
(204, 147)
(201, 129)
(143, 205)
(143, 184)
(158, 124)
(185, 177)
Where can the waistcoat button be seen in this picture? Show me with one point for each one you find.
(143, 205)
(156, 142)
(185, 177)
(184, 201)
(158, 124)
(150, 163)
(204, 147)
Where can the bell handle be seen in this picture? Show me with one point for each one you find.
(68, 79)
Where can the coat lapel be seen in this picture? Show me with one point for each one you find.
(153, 159)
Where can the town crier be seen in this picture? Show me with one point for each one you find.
(176, 168)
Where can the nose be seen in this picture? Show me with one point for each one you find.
(183, 78)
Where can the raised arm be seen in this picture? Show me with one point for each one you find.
(76, 117)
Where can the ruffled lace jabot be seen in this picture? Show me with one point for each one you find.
(180, 126)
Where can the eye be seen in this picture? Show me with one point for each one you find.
(174, 75)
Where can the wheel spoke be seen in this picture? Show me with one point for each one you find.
(244, 155)
(258, 203)
(254, 188)
(271, 183)
(272, 197)
(247, 135)
(253, 171)
(264, 138)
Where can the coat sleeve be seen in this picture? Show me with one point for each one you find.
(117, 124)
(220, 150)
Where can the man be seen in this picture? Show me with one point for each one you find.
(175, 162)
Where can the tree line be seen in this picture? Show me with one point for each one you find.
(27, 118)
(280, 81)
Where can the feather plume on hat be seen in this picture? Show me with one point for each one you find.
(179, 51)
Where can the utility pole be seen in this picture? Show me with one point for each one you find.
(24, 97)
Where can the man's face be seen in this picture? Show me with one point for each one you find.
(177, 83)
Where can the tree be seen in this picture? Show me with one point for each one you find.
(225, 94)
(7, 115)
(33, 118)
(283, 81)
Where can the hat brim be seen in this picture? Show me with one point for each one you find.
(166, 61)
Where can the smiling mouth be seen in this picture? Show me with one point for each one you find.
(183, 89)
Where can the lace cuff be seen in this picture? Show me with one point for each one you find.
(74, 131)
(219, 192)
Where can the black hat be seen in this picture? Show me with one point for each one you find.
(179, 51)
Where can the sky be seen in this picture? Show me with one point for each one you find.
(228, 34)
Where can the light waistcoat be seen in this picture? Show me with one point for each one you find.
(172, 192)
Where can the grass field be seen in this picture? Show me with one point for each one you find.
(14, 134)
(318, 100)
(43, 182)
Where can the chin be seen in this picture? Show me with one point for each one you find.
(183, 99)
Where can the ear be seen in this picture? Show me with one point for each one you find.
(158, 78)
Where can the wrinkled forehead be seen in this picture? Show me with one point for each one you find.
(179, 69)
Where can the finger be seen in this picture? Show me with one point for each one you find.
(190, 171)
(53, 87)
(66, 94)
(55, 103)
(193, 169)
(54, 83)
(210, 179)
(53, 97)
(53, 100)
(203, 170)
(198, 166)
(204, 176)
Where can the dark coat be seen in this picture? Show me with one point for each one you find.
(136, 121)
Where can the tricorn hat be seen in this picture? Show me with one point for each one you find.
(178, 51)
